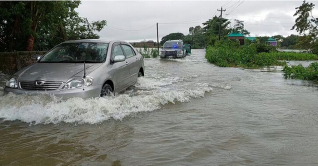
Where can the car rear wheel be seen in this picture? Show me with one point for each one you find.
(107, 90)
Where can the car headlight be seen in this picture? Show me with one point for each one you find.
(12, 83)
(78, 83)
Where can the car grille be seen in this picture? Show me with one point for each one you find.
(168, 53)
(47, 85)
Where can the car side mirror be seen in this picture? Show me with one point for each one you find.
(119, 58)
(37, 57)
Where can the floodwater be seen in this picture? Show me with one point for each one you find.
(183, 112)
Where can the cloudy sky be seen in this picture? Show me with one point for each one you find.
(136, 20)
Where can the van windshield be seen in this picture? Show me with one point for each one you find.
(172, 44)
(77, 52)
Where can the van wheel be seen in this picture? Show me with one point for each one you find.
(140, 74)
(107, 90)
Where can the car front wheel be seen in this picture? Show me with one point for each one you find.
(140, 74)
(107, 90)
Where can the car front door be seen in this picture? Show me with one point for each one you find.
(134, 62)
(121, 69)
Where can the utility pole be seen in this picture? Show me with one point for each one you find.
(220, 21)
(158, 39)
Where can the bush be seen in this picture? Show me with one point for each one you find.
(303, 73)
(228, 53)
(148, 53)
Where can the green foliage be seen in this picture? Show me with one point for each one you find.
(172, 36)
(303, 73)
(239, 27)
(227, 53)
(306, 25)
(195, 38)
(42, 24)
(211, 29)
(293, 56)
(148, 52)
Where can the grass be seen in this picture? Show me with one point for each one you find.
(230, 54)
(148, 53)
(300, 72)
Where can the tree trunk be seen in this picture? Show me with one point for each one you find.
(30, 40)
(30, 43)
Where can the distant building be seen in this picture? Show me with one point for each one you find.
(237, 36)
(252, 39)
(148, 44)
(272, 41)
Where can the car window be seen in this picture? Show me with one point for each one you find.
(117, 51)
(173, 44)
(129, 52)
(77, 52)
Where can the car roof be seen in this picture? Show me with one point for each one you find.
(169, 41)
(92, 40)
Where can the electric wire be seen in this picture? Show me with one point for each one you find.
(236, 7)
(130, 29)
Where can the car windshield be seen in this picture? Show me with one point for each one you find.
(171, 44)
(77, 52)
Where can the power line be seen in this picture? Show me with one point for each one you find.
(228, 2)
(234, 4)
(236, 7)
(131, 29)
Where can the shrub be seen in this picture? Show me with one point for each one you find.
(229, 53)
(303, 73)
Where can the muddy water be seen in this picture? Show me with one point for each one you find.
(183, 112)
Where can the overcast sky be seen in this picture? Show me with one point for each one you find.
(136, 20)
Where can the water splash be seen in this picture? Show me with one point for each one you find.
(149, 94)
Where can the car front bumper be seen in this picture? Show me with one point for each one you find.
(87, 92)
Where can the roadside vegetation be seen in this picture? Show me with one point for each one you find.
(148, 52)
(227, 53)
(303, 73)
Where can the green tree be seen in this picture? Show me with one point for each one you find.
(26, 25)
(195, 38)
(239, 27)
(172, 36)
(290, 41)
(211, 29)
(306, 25)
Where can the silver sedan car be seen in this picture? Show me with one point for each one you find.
(81, 68)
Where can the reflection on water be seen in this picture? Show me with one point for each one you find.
(183, 112)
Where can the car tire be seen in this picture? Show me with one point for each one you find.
(140, 74)
(107, 90)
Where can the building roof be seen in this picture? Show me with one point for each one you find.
(251, 38)
(235, 35)
(271, 40)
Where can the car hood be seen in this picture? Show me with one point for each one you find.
(171, 49)
(55, 71)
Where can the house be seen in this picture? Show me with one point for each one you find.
(272, 41)
(240, 37)
(237, 36)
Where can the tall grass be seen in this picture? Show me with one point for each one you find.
(148, 52)
(293, 56)
(300, 72)
(230, 54)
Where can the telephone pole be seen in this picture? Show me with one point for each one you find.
(220, 21)
(158, 38)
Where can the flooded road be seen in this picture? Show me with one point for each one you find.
(183, 112)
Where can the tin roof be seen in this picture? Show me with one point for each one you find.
(235, 35)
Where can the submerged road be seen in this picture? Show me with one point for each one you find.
(183, 112)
